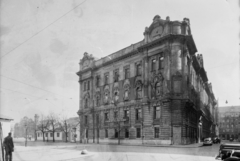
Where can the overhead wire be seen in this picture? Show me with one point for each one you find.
(41, 30)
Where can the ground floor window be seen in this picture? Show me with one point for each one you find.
(138, 133)
(58, 134)
(116, 133)
(106, 133)
(38, 134)
(156, 132)
(46, 134)
(51, 134)
(126, 133)
(86, 133)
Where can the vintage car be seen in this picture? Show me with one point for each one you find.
(207, 141)
(229, 152)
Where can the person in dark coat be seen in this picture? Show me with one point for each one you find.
(8, 146)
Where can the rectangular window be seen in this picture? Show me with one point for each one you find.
(86, 133)
(156, 132)
(153, 64)
(138, 114)
(38, 134)
(161, 62)
(51, 134)
(98, 81)
(116, 75)
(46, 134)
(106, 78)
(126, 133)
(116, 133)
(138, 133)
(97, 119)
(106, 117)
(127, 73)
(58, 134)
(139, 93)
(106, 133)
(139, 69)
(85, 86)
(88, 85)
(115, 114)
(126, 114)
(156, 114)
(86, 120)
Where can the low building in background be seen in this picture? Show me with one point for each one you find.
(155, 91)
(229, 122)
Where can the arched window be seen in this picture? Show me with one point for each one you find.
(153, 64)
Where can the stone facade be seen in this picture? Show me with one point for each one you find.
(151, 92)
(229, 119)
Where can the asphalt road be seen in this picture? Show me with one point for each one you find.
(100, 152)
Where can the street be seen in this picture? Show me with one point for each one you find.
(39, 151)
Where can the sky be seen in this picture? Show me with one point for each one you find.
(42, 42)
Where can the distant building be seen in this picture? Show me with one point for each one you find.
(157, 89)
(69, 130)
(229, 122)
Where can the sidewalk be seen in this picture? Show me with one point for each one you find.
(196, 145)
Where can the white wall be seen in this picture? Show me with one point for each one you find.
(40, 137)
(6, 128)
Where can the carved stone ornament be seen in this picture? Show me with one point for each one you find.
(86, 59)
(156, 85)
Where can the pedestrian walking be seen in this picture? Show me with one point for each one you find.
(8, 146)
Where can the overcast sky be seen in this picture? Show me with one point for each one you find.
(42, 42)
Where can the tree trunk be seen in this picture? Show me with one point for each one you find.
(66, 134)
(43, 136)
(53, 135)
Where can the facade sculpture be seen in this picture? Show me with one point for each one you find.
(158, 87)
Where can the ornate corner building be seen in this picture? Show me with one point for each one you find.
(151, 92)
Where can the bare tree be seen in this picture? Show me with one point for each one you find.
(43, 125)
(53, 123)
(118, 124)
(65, 126)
